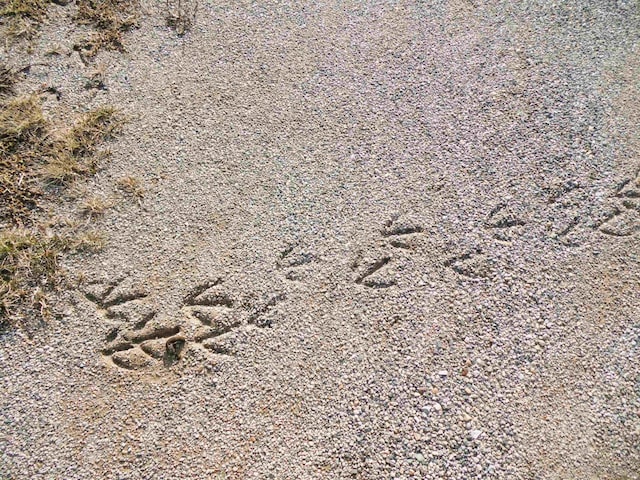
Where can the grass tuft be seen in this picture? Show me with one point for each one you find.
(132, 186)
(75, 153)
(33, 9)
(94, 127)
(22, 124)
(23, 16)
(111, 18)
(95, 206)
(29, 269)
(23, 135)
(32, 158)
(109, 14)
(30, 153)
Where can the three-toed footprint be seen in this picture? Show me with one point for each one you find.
(624, 219)
(376, 269)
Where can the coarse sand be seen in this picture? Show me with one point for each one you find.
(377, 240)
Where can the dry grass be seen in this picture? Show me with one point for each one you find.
(23, 135)
(29, 270)
(39, 160)
(109, 14)
(33, 157)
(23, 16)
(131, 186)
(96, 206)
(31, 153)
(94, 127)
(34, 9)
(75, 152)
(22, 124)
(111, 18)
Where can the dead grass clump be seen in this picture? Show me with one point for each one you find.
(93, 128)
(39, 160)
(34, 9)
(96, 206)
(23, 137)
(108, 40)
(111, 18)
(23, 16)
(30, 153)
(34, 155)
(75, 153)
(29, 269)
(109, 14)
(22, 124)
(131, 186)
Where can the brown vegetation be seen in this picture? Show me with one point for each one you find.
(38, 159)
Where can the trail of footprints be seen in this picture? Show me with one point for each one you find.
(207, 321)
(622, 219)
(505, 222)
(400, 237)
(211, 316)
(619, 218)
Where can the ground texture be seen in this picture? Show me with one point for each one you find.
(376, 239)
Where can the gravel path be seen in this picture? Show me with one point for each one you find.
(378, 240)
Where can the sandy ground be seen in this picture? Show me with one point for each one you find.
(379, 239)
